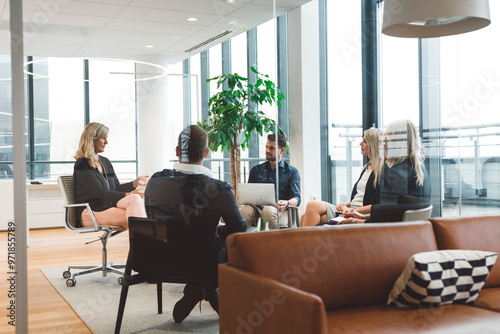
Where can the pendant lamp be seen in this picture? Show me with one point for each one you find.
(434, 18)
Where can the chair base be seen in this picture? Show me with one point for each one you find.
(88, 269)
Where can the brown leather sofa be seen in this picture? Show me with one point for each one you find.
(336, 279)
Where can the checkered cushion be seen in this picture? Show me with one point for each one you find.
(442, 277)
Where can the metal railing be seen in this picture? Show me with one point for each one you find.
(466, 154)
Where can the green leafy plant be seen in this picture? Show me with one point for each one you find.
(231, 120)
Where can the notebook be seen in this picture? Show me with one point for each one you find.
(256, 193)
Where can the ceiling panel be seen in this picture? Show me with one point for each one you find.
(216, 7)
(122, 28)
(33, 19)
(159, 15)
(147, 26)
(290, 4)
(238, 23)
(54, 8)
(258, 12)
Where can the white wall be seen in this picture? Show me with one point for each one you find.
(303, 31)
(152, 134)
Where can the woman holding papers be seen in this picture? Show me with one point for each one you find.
(97, 184)
(364, 191)
(404, 173)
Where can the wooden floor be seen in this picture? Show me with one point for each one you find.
(47, 311)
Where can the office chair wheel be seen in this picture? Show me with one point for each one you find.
(66, 274)
(120, 280)
(71, 282)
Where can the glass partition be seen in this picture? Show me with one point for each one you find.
(470, 123)
(344, 96)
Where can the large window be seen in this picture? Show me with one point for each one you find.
(175, 107)
(344, 41)
(470, 123)
(446, 86)
(58, 117)
(112, 102)
(5, 118)
(57, 104)
(237, 62)
(399, 79)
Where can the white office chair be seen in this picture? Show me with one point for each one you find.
(67, 185)
(418, 214)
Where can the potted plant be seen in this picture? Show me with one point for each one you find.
(231, 120)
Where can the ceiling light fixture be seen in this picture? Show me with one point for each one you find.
(192, 19)
(150, 46)
(434, 18)
(151, 71)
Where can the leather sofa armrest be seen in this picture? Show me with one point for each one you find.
(251, 303)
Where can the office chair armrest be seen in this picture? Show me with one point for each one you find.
(87, 205)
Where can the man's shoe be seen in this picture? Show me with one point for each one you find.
(184, 306)
(214, 301)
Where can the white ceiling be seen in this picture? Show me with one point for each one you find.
(123, 28)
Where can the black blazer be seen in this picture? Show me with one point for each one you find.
(370, 191)
(100, 191)
(401, 179)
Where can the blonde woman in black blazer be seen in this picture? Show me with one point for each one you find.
(363, 194)
(97, 184)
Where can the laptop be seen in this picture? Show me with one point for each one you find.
(256, 193)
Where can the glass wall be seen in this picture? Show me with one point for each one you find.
(112, 102)
(57, 105)
(462, 126)
(175, 105)
(57, 116)
(344, 41)
(6, 154)
(237, 62)
(447, 86)
(470, 122)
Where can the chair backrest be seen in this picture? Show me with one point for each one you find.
(151, 253)
(418, 214)
(67, 184)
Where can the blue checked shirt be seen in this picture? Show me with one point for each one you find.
(289, 179)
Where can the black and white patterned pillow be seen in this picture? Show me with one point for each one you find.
(442, 277)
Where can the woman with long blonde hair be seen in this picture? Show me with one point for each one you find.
(405, 172)
(97, 184)
(404, 176)
(364, 190)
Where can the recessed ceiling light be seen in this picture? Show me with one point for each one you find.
(150, 46)
(230, 1)
(192, 19)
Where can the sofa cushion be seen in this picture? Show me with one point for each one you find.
(442, 277)
(478, 233)
(380, 319)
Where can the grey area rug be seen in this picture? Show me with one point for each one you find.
(95, 299)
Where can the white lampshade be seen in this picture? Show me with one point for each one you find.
(434, 18)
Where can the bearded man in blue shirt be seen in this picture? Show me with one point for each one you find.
(289, 185)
